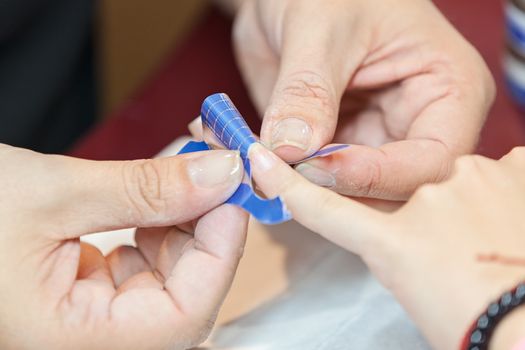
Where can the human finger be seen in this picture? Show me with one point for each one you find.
(100, 196)
(345, 222)
(203, 273)
(317, 60)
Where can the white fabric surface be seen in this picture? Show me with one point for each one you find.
(332, 303)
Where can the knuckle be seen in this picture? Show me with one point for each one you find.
(462, 163)
(291, 186)
(466, 165)
(364, 178)
(425, 194)
(518, 153)
(470, 173)
(322, 201)
(197, 333)
(143, 186)
(308, 89)
(516, 157)
(327, 201)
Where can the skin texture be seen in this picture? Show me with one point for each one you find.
(428, 251)
(164, 294)
(391, 77)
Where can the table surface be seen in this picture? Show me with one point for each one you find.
(160, 111)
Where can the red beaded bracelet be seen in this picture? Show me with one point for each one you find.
(480, 332)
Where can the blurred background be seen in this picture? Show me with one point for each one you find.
(66, 65)
(135, 38)
(120, 79)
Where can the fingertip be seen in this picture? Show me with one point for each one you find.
(269, 171)
(296, 138)
(216, 169)
(294, 131)
(289, 137)
(317, 175)
(262, 158)
(195, 128)
(355, 171)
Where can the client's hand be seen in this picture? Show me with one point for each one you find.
(59, 293)
(452, 249)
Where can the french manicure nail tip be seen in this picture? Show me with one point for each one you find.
(213, 169)
(292, 132)
(317, 176)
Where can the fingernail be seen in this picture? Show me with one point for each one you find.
(317, 176)
(262, 158)
(215, 168)
(195, 128)
(292, 132)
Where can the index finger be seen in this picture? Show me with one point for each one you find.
(343, 221)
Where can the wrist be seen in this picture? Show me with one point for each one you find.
(445, 315)
(510, 331)
(500, 326)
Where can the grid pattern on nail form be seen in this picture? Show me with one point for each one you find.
(220, 115)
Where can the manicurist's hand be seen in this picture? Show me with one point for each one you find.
(59, 293)
(452, 249)
(391, 77)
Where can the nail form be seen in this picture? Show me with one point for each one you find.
(220, 115)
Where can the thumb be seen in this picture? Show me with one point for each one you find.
(75, 197)
(318, 59)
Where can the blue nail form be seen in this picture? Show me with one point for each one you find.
(219, 114)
